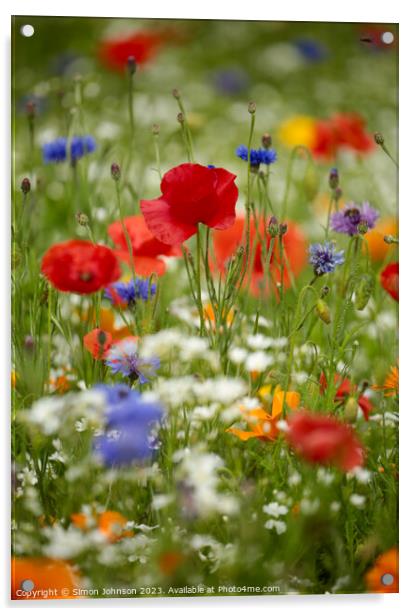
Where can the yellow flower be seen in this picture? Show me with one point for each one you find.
(298, 130)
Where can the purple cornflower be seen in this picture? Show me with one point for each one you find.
(130, 425)
(56, 151)
(350, 219)
(130, 292)
(257, 157)
(123, 358)
(324, 258)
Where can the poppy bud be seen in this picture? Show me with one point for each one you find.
(350, 409)
(266, 140)
(333, 178)
(363, 291)
(82, 219)
(322, 311)
(362, 227)
(252, 107)
(31, 109)
(175, 93)
(29, 343)
(378, 138)
(115, 172)
(273, 227)
(155, 129)
(282, 228)
(25, 186)
(131, 65)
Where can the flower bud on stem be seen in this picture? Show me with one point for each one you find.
(185, 126)
(379, 139)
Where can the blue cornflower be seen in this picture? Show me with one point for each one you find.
(130, 292)
(230, 81)
(130, 427)
(117, 394)
(81, 146)
(56, 151)
(123, 358)
(325, 258)
(311, 50)
(257, 157)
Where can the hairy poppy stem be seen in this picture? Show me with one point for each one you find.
(186, 130)
(294, 153)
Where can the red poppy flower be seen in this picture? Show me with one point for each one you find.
(324, 439)
(342, 130)
(389, 279)
(79, 266)
(146, 249)
(346, 389)
(226, 243)
(324, 145)
(97, 342)
(142, 46)
(191, 194)
(375, 36)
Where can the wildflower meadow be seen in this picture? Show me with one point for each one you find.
(205, 288)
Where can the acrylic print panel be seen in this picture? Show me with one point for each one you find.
(205, 293)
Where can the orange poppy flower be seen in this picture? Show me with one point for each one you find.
(391, 383)
(60, 384)
(383, 576)
(41, 578)
(377, 247)
(97, 342)
(170, 561)
(209, 315)
(111, 524)
(227, 241)
(107, 323)
(263, 425)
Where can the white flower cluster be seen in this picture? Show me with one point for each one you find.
(275, 509)
(173, 345)
(189, 390)
(197, 473)
(54, 414)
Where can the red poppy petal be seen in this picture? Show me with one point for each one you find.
(227, 194)
(389, 279)
(162, 223)
(146, 266)
(366, 406)
(177, 182)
